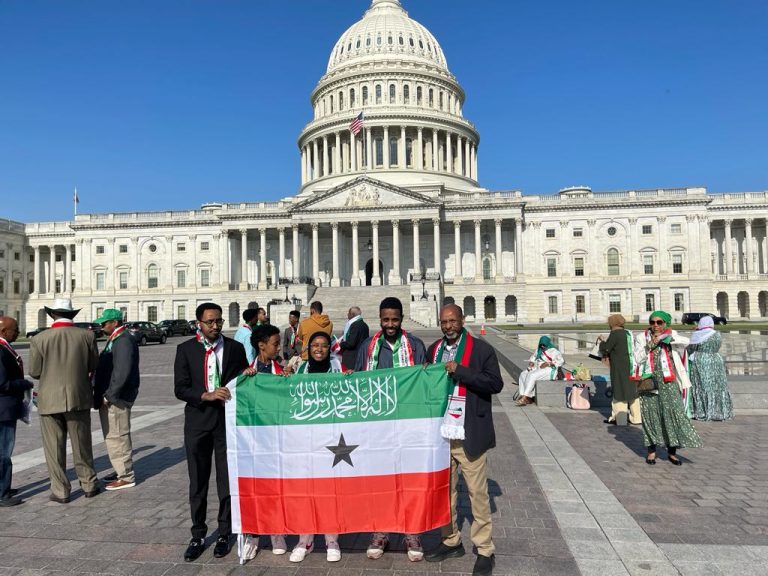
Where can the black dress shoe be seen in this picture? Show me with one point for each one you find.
(675, 460)
(13, 492)
(609, 421)
(54, 498)
(222, 547)
(195, 548)
(484, 565)
(10, 501)
(650, 461)
(444, 552)
(93, 492)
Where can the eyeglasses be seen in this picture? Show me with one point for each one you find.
(656, 322)
(216, 321)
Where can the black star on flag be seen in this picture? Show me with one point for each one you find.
(342, 451)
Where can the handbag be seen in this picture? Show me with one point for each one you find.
(582, 373)
(595, 352)
(646, 385)
(578, 398)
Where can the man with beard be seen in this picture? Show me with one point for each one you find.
(391, 347)
(468, 423)
(203, 367)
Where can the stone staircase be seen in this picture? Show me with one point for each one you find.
(337, 301)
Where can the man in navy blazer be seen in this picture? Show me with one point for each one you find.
(203, 367)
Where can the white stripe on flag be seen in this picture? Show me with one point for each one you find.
(300, 451)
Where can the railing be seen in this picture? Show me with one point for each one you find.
(11, 225)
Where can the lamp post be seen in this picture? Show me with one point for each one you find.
(286, 295)
(423, 289)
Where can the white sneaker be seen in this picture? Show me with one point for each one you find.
(279, 546)
(250, 546)
(333, 554)
(413, 544)
(300, 552)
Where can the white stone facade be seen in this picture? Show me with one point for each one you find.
(403, 192)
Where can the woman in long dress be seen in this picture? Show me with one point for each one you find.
(319, 360)
(618, 349)
(706, 368)
(662, 410)
(542, 365)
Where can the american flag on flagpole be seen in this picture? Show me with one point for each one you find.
(357, 124)
(75, 197)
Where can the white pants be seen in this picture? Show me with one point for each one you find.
(528, 378)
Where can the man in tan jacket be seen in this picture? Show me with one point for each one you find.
(63, 359)
(317, 322)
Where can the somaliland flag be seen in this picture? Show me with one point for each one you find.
(329, 453)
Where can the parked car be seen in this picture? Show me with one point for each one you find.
(35, 332)
(694, 317)
(173, 327)
(146, 332)
(192, 326)
(92, 326)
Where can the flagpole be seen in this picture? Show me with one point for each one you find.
(75, 200)
(365, 148)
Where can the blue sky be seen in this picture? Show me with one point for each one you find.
(167, 104)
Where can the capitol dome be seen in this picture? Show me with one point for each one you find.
(386, 31)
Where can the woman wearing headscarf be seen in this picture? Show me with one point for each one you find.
(542, 365)
(709, 383)
(618, 349)
(661, 378)
(319, 361)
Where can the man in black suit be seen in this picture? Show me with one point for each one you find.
(355, 332)
(203, 367)
(474, 368)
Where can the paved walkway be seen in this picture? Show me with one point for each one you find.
(569, 496)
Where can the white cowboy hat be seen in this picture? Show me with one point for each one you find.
(62, 307)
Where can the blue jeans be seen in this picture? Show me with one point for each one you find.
(7, 442)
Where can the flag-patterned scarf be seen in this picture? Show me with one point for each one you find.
(662, 349)
(7, 345)
(62, 323)
(630, 348)
(116, 333)
(212, 372)
(402, 351)
(453, 420)
(274, 366)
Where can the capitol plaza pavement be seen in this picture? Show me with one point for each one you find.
(569, 495)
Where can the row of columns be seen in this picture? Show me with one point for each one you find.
(460, 152)
(748, 247)
(50, 288)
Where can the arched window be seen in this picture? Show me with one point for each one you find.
(331, 102)
(469, 306)
(341, 100)
(234, 314)
(391, 93)
(406, 94)
(408, 152)
(431, 101)
(410, 41)
(352, 97)
(418, 95)
(378, 93)
(421, 44)
(389, 39)
(152, 276)
(440, 101)
(448, 300)
(368, 41)
(393, 151)
(510, 305)
(613, 262)
(378, 40)
(401, 41)
(357, 44)
(379, 145)
(486, 268)
(365, 95)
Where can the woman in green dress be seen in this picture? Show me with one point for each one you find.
(618, 349)
(709, 383)
(663, 413)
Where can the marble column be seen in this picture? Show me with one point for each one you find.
(474, 161)
(705, 258)
(765, 246)
(449, 153)
(295, 253)
(36, 272)
(52, 270)
(499, 268)
(243, 259)
(368, 150)
(420, 149)
(478, 251)
(337, 163)
(386, 148)
(396, 279)
(352, 151)
(315, 253)
(458, 274)
(262, 258)
(518, 247)
(224, 251)
(435, 162)
(376, 278)
(416, 256)
(727, 259)
(467, 167)
(436, 241)
(749, 269)
(403, 161)
(315, 164)
(281, 255)
(459, 156)
(335, 280)
(303, 165)
(355, 279)
(324, 171)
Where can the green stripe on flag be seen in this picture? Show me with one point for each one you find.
(397, 393)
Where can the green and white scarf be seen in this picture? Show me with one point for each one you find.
(212, 371)
(453, 419)
(402, 351)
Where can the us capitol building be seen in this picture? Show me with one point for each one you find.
(398, 208)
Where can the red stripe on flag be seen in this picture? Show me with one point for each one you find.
(405, 503)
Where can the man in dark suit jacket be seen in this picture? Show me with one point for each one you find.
(473, 366)
(355, 332)
(203, 367)
(12, 388)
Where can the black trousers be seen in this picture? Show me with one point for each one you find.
(201, 446)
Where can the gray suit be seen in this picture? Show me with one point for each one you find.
(63, 359)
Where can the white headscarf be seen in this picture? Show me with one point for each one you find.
(704, 331)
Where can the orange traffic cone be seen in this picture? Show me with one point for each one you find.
(482, 329)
